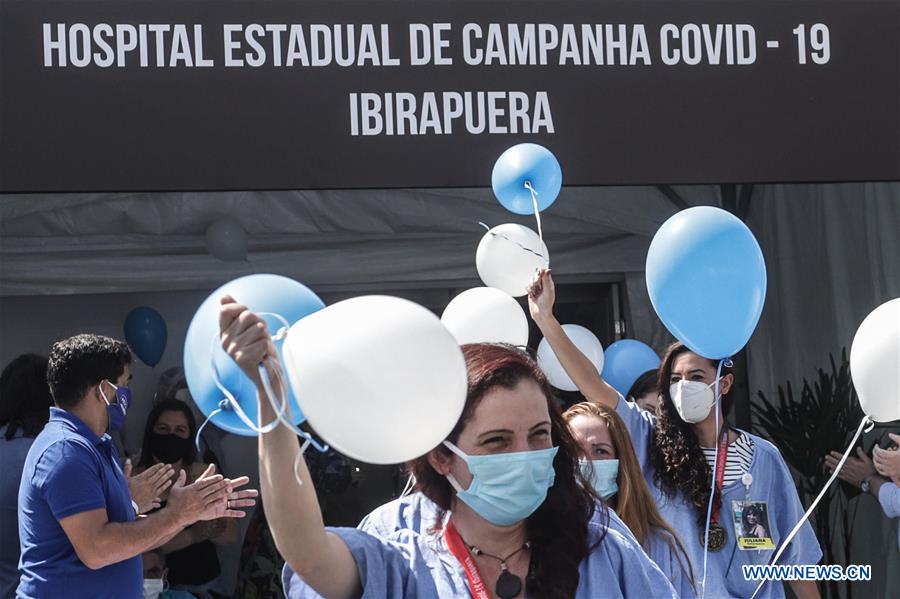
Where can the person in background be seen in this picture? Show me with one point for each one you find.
(879, 476)
(156, 585)
(172, 384)
(677, 449)
(517, 513)
(643, 392)
(78, 531)
(191, 554)
(24, 410)
(609, 462)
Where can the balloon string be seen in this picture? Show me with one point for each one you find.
(280, 407)
(232, 402)
(712, 493)
(223, 405)
(863, 424)
(527, 249)
(267, 384)
(537, 213)
(410, 485)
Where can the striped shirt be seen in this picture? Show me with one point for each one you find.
(740, 454)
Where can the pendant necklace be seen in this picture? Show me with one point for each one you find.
(508, 584)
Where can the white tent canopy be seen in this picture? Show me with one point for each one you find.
(89, 243)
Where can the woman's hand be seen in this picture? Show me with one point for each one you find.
(541, 296)
(855, 470)
(245, 337)
(292, 510)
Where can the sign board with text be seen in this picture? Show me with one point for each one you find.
(213, 94)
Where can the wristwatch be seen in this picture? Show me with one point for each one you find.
(864, 485)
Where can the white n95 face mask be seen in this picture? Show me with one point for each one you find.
(153, 587)
(693, 399)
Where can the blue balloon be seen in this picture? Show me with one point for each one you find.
(706, 276)
(626, 360)
(146, 334)
(260, 293)
(521, 164)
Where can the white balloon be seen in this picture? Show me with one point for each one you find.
(508, 256)
(379, 378)
(227, 241)
(486, 315)
(585, 341)
(875, 362)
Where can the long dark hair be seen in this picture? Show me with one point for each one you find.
(558, 529)
(25, 398)
(678, 459)
(175, 405)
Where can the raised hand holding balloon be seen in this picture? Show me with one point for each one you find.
(146, 334)
(526, 179)
(706, 277)
(220, 389)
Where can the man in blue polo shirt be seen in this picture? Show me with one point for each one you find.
(77, 526)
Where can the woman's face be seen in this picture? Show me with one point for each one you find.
(172, 422)
(691, 367)
(751, 518)
(592, 434)
(505, 421)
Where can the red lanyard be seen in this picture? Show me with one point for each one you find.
(720, 473)
(459, 550)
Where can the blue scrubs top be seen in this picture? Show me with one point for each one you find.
(671, 562)
(416, 512)
(771, 483)
(399, 562)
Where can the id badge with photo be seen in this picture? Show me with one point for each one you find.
(751, 524)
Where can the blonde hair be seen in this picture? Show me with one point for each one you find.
(633, 503)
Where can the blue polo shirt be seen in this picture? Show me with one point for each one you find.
(70, 470)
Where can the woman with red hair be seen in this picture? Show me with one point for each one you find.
(515, 516)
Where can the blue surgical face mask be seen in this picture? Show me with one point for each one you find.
(603, 475)
(118, 410)
(506, 487)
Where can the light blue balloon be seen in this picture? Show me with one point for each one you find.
(146, 334)
(521, 164)
(260, 293)
(626, 360)
(707, 280)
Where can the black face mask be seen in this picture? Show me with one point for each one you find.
(169, 448)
